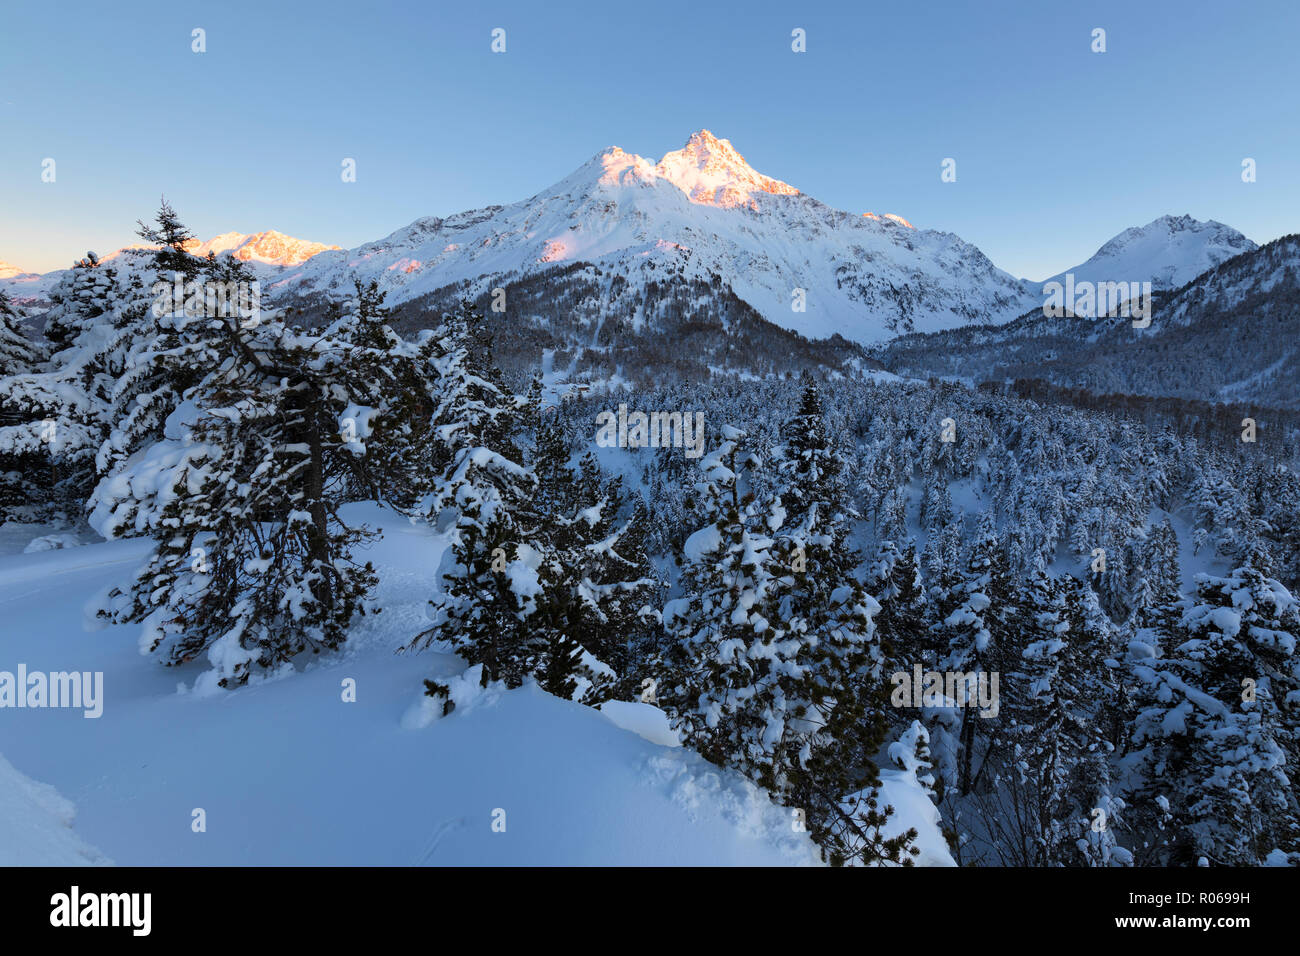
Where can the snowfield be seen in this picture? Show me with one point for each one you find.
(286, 772)
(36, 825)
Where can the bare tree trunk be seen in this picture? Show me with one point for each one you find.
(315, 492)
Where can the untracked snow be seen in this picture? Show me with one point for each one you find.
(36, 825)
(286, 772)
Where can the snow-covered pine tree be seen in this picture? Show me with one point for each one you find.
(487, 608)
(252, 562)
(1057, 760)
(976, 634)
(24, 469)
(62, 411)
(1160, 583)
(173, 239)
(597, 586)
(18, 353)
(709, 679)
(1217, 727)
(76, 300)
(159, 346)
(396, 467)
(895, 579)
(776, 672)
(810, 467)
(822, 603)
(911, 754)
(101, 397)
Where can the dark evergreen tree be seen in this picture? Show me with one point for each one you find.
(174, 240)
(1057, 765)
(598, 587)
(1216, 728)
(24, 457)
(773, 672)
(977, 633)
(252, 562)
(493, 608)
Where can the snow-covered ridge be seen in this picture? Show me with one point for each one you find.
(269, 248)
(710, 171)
(702, 212)
(1167, 252)
(699, 212)
(269, 252)
(9, 271)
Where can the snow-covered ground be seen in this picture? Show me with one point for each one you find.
(36, 825)
(287, 772)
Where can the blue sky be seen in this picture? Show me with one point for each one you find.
(1057, 147)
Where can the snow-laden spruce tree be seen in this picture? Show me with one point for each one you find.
(18, 353)
(61, 411)
(894, 578)
(774, 672)
(1053, 799)
(161, 352)
(252, 563)
(401, 446)
(1158, 582)
(493, 574)
(99, 398)
(24, 466)
(1215, 738)
(597, 585)
(173, 240)
(976, 635)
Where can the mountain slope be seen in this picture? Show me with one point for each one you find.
(1167, 252)
(699, 212)
(289, 774)
(1230, 335)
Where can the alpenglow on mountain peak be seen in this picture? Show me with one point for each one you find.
(710, 171)
(699, 217)
(707, 169)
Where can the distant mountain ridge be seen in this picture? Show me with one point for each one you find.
(617, 267)
(1231, 334)
(699, 212)
(270, 248)
(1168, 252)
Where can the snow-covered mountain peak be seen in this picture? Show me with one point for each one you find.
(9, 271)
(703, 215)
(620, 168)
(269, 247)
(711, 172)
(1171, 229)
(890, 217)
(1169, 252)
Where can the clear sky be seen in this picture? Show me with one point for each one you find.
(1057, 148)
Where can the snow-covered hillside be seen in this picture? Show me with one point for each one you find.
(286, 772)
(698, 212)
(1167, 252)
(36, 825)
